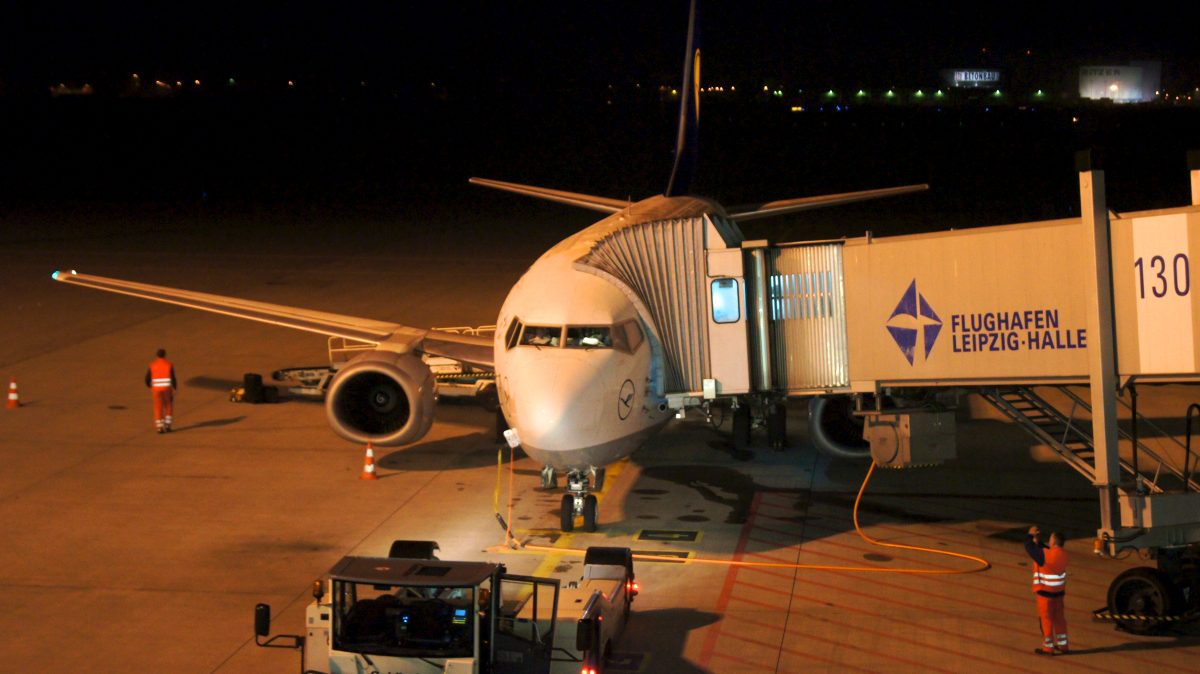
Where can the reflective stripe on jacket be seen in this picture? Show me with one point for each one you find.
(162, 374)
(1051, 578)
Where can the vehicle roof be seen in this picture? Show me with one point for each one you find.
(417, 572)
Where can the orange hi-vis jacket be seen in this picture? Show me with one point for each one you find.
(1050, 579)
(161, 374)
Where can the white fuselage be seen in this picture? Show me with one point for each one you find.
(575, 404)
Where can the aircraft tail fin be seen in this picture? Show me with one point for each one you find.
(687, 137)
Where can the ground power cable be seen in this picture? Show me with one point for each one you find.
(511, 542)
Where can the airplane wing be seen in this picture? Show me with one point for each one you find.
(602, 204)
(744, 213)
(471, 349)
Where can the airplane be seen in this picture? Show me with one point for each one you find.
(568, 343)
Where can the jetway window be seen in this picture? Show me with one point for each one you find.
(726, 307)
(589, 337)
(540, 335)
(510, 337)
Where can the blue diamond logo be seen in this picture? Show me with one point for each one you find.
(913, 318)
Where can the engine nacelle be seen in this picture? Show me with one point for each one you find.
(834, 429)
(383, 398)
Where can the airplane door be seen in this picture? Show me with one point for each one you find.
(526, 615)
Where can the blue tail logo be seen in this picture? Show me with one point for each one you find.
(911, 319)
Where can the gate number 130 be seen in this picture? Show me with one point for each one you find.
(1180, 272)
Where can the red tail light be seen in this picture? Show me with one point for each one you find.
(632, 587)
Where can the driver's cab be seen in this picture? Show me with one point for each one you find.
(416, 615)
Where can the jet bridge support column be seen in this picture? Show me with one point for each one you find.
(1102, 368)
(1193, 157)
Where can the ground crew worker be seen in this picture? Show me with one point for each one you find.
(1050, 585)
(160, 377)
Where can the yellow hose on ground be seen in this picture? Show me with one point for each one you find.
(982, 564)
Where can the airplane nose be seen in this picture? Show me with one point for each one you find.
(558, 408)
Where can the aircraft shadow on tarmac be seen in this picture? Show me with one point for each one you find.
(997, 475)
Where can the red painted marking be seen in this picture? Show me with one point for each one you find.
(922, 666)
(923, 608)
(710, 638)
(840, 666)
(1076, 625)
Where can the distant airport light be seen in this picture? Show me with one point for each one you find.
(178, 83)
(1040, 93)
(197, 82)
(939, 93)
(291, 83)
(860, 94)
(1113, 87)
(997, 93)
(919, 94)
(766, 88)
(890, 94)
(231, 82)
(797, 108)
(1074, 120)
(674, 92)
(830, 94)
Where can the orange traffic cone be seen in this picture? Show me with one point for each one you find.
(14, 400)
(369, 465)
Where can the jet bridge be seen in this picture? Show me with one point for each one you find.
(1105, 300)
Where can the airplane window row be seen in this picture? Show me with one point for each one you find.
(626, 336)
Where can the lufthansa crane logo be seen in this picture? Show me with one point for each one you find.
(625, 400)
(913, 318)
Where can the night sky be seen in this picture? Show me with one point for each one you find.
(470, 44)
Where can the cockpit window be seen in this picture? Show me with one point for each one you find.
(540, 335)
(510, 337)
(629, 336)
(590, 337)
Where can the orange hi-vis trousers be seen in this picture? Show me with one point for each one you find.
(164, 407)
(1054, 621)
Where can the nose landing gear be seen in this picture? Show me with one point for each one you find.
(578, 501)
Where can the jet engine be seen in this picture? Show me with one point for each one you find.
(382, 397)
(835, 430)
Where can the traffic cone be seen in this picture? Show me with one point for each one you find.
(369, 465)
(14, 400)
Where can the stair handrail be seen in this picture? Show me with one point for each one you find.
(1188, 447)
(1183, 477)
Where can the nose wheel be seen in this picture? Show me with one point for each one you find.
(578, 502)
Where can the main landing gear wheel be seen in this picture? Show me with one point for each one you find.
(1144, 592)
(741, 427)
(590, 506)
(568, 513)
(777, 426)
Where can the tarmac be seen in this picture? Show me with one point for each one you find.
(127, 551)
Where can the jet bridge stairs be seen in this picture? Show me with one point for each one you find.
(1068, 435)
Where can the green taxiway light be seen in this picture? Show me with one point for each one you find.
(890, 94)
(861, 93)
(830, 94)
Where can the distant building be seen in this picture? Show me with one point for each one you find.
(966, 78)
(1137, 82)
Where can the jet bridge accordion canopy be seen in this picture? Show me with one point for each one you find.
(661, 265)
